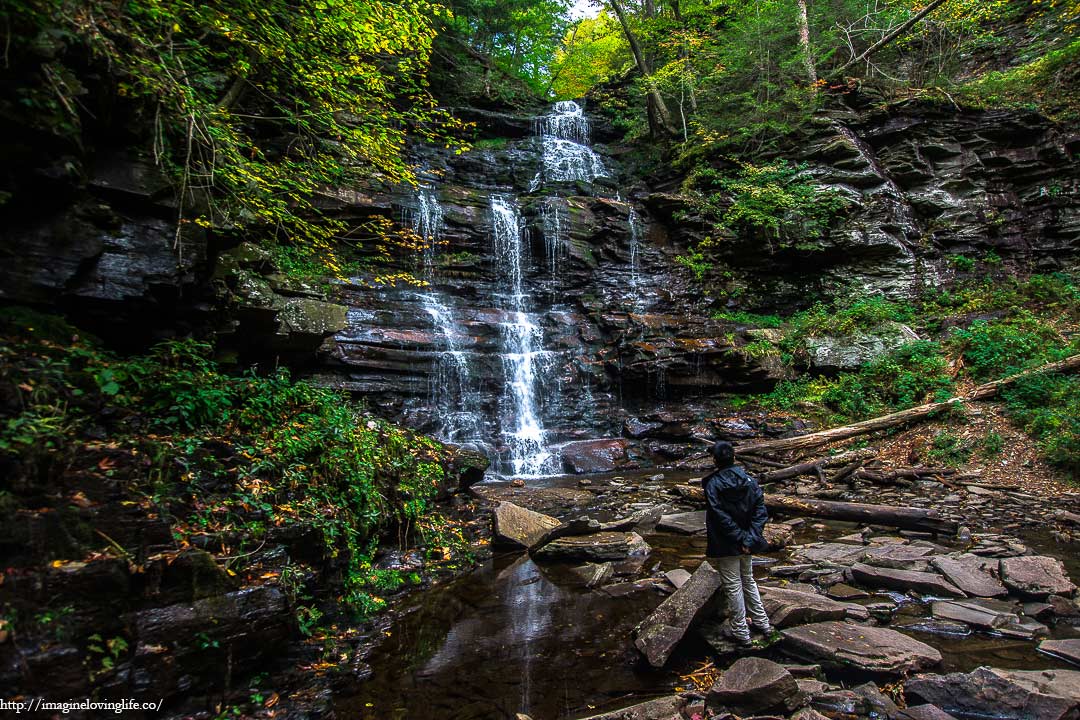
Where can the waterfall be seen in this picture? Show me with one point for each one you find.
(635, 245)
(565, 153)
(522, 342)
(553, 214)
(427, 222)
(454, 399)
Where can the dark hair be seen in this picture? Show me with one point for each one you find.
(723, 454)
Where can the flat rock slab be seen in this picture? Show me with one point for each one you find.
(687, 523)
(1036, 576)
(657, 635)
(792, 607)
(1056, 683)
(836, 553)
(986, 615)
(999, 694)
(517, 527)
(903, 580)
(872, 649)
(900, 557)
(752, 686)
(668, 708)
(972, 574)
(594, 548)
(1066, 649)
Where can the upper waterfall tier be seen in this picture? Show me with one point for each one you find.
(564, 140)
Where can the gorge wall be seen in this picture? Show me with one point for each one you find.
(556, 328)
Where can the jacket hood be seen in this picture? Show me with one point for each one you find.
(730, 478)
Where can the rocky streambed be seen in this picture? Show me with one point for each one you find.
(613, 614)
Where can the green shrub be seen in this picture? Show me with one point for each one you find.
(740, 317)
(949, 450)
(908, 376)
(1047, 407)
(1003, 347)
(297, 453)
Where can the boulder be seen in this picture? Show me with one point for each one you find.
(1036, 576)
(753, 686)
(688, 523)
(791, 607)
(657, 635)
(518, 527)
(598, 547)
(872, 649)
(971, 573)
(829, 353)
(594, 456)
(903, 580)
(778, 535)
(1067, 649)
(1004, 694)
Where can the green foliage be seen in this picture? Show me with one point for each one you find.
(776, 202)
(1047, 406)
(740, 317)
(518, 36)
(844, 318)
(992, 444)
(1047, 84)
(1003, 347)
(255, 106)
(910, 375)
(962, 263)
(948, 449)
(592, 51)
(299, 454)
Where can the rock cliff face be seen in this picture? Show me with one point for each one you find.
(555, 311)
(624, 343)
(922, 183)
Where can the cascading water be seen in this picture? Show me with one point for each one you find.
(564, 136)
(553, 212)
(454, 400)
(635, 245)
(522, 340)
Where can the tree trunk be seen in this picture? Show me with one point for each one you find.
(804, 44)
(982, 392)
(890, 36)
(905, 518)
(659, 117)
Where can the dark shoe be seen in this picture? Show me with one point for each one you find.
(737, 638)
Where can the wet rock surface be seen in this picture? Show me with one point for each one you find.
(871, 649)
(755, 686)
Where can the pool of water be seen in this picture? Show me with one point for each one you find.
(516, 637)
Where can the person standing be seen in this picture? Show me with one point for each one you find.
(735, 523)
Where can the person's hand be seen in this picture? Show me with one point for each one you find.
(745, 550)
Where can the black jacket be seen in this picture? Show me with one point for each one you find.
(736, 514)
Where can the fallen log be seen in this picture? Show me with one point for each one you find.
(884, 422)
(905, 518)
(814, 466)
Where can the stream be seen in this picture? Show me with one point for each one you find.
(514, 636)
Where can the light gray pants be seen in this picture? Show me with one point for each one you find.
(741, 593)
